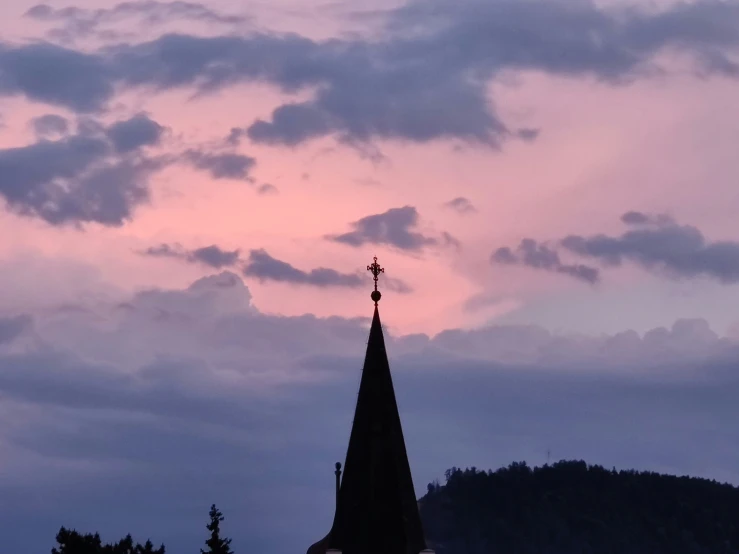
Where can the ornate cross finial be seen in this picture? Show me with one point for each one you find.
(375, 268)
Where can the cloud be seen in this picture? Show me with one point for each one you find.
(55, 75)
(164, 251)
(266, 268)
(50, 125)
(78, 178)
(194, 378)
(393, 227)
(532, 254)
(460, 205)
(392, 90)
(291, 124)
(399, 86)
(396, 285)
(215, 257)
(639, 218)
(267, 188)
(222, 166)
(79, 22)
(663, 246)
(528, 135)
(234, 136)
(153, 11)
(133, 133)
(12, 327)
(450, 240)
(654, 242)
(212, 256)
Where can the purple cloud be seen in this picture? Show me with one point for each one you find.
(212, 256)
(393, 227)
(659, 244)
(532, 254)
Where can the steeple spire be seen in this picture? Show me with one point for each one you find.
(376, 510)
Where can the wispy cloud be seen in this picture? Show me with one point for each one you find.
(226, 165)
(460, 205)
(266, 268)
(532, 254)
(78, 23)
(212, 255)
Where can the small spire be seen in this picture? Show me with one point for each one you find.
(337, 473)
(375, 268)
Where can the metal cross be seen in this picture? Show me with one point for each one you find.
(376, 270)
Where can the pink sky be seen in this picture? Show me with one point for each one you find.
(663, 144)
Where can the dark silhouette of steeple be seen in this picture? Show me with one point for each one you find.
(376, 511)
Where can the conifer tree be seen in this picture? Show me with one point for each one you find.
(216, 544)
(73, 542)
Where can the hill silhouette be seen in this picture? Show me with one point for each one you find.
(571, 507)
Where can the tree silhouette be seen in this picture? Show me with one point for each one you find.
(216, 544)
(72, 542)
(571, 507)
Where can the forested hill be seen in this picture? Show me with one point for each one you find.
(573, 508)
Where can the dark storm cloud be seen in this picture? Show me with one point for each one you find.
(663, 246)
(212, 255)
(50, 125)
(532, 254)
(222, 166)
(134, 133)
(394, 227)
(266, 268)
(408, 85)
(76, 179)
(461, 205)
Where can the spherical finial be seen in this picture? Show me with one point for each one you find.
(375, 296)
(338, 466)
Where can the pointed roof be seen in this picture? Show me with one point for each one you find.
(376, 512)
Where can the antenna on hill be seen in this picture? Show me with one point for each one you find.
(549, 453)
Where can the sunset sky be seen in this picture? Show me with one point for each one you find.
(191, 194)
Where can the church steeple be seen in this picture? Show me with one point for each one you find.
(376, 511)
